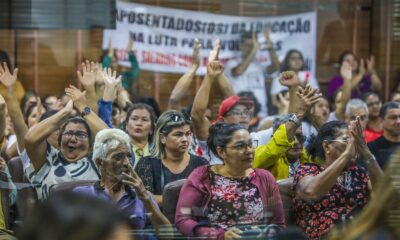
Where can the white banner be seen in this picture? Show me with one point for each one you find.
(163, 37)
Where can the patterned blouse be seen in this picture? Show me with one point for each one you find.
(346, 198)
(234, 201)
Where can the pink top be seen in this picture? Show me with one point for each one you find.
(193, 204)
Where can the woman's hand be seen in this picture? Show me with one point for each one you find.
(77, 96)
(346, 72)
(111, 82)
(359, 139)
(214, 68)
(371, 65)
(6, 78)
(214, 54)
(289, 79)
(196, 54)
(308, 97)
(232, 233)
(361, 68)
(88, 75)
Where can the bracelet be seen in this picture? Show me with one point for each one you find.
(371, 159)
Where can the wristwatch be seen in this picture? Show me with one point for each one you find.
(293, 118)
(86, 111)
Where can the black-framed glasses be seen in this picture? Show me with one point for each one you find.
(78, 134)
(242, 146)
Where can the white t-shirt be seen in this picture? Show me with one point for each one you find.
(253, 80)
(262, 137)
(55, 170)
(277, 87)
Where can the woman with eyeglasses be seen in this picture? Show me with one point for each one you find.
(45, 165)
(170, 159)
(139, 124)
(332, 192)
(220, 198)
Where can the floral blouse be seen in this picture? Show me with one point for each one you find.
(347, 197)
(234, 201)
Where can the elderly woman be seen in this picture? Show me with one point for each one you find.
(139, 124)
(219, 198)
(335, 190)
(170, 160)
(119, 184)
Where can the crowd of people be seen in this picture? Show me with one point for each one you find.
(99, 163)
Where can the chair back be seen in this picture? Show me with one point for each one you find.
(170, 198)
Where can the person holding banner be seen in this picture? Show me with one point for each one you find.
(246, 74)
(128, 77)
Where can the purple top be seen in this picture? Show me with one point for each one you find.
(364, 86)
(195, 198)
(129, 203)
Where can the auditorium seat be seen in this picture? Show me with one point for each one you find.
(170, 198)
(69, 186)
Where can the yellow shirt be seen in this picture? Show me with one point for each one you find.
(140, 152)
(272, 156)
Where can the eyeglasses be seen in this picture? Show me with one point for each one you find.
(241, 146)
(78, 134)
(238, 113)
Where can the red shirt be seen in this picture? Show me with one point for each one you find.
(370, 134)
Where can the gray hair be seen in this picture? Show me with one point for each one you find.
(355, 103)
(108, 139)
(279, 120)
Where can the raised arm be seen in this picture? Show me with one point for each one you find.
(80, 103)
(200, 103)
(376, 81)
(241, 68)
(222, 80)
(3, 121)
(346, 73)
(14, 110)
(291, 80)
(88, 80)
(109, 95)
(312, 188)
(275, 64)
(36, 137)
(181, 88)
(375, 172)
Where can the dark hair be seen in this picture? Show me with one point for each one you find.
(387, 106)
(70, 216)
(220, 134)
(343, 55)
(332, 99)
(76, 120)
(152, 103)
(327, 132)
(285, 64)
(5, 58)
(153, 117)
(26, 97)
(365, 95)
(249, 94)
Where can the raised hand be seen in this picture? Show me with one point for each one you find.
(371, 64)
(97, 68)
(77, 96)
(111, 82)
(214, 68)
(196, 53)
(129, 47)
(2, 103)
(69, 107)
(268, 41)
(256, 45)
(308, 97)
(346, 71)
(214, 54)
(88, 75)
(289, 79)
(6, 78)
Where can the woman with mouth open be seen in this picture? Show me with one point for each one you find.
(219, 198)
(170, 159)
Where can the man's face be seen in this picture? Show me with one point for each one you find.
(239, 114)
(117, 162)
(297, 149)
(374, 105)
(391, 122)
(360, 112)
